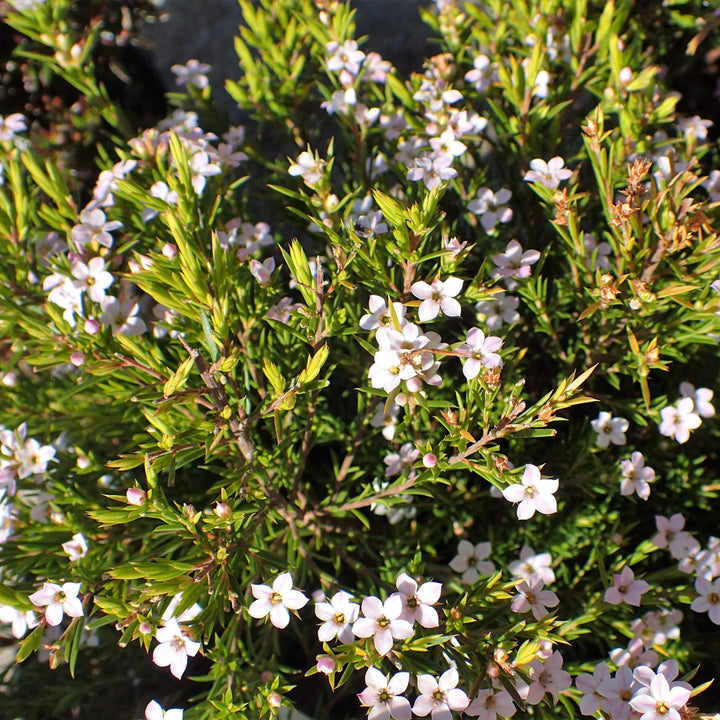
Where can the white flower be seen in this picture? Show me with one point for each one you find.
(344, 57)
(14, 123)
(308, 167)
(174, 649)
(636, 476)
(708, 599)
(399, 462)
(531, 566)
(548, 173)
(533, 494)
(20, 621)
(154, 711)
(609, 429)
(337, 616)
(471, 561)
(122, 316)
(514, 263)
(276, 600)
(701, 398)
(481, 352)
(483, 73)
(440, 696)
(498, 310)
(262, 271)
(660, 701)
(679, 420)
(192, 73)
(489, 705)
(380, 313)
(492, 207)
(94, 228)
(383, 621)
(532, 596)
(431, 170)
(76, 548)
(440, 295)
(92, 278)
(58, 600)
(418, 601)
(384, 696)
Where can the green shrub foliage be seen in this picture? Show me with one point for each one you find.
(393, 397)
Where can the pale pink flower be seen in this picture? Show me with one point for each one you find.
(308, 167)
(11, 124)
(708, 599)
(440, 295)
(532, 565)
(58, 600)
(93, 227)
(548, 173)
(661, 702)
(491, 207)
(76, 548)
(440, 696)
(589, 686)
(471, 561)
(401, 461)
(617, 693)
(262, 271)
(636, 476)
(481, 351)
(514, 263)
(532, 596)
(547, 677)
(92, 277)
(679, 420)
(385, 697)
(490, 705)
(635, 654)
(609, 429)
(702, 398)
(193, 73)
(154, 711)
(383, 622)
(418, 601)
(174, 649)
(380, 313)
(337, 615)
(626, 589)
(277, 600)
(533, 494)
(432, 170)
(136, 496)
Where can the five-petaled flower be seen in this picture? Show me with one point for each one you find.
(440, 696)
(533, 494)
(471, 561)
(609, 429)
(175, 648)
(383, 621)
(626, 589)
(418, 601)
(337, 616)
(58, 600)
(384, 697)
(276, 600)
(548, 173)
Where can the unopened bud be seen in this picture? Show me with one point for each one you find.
(136, 496)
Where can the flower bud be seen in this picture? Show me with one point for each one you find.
(136, 496)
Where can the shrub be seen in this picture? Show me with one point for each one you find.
(401, 389)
